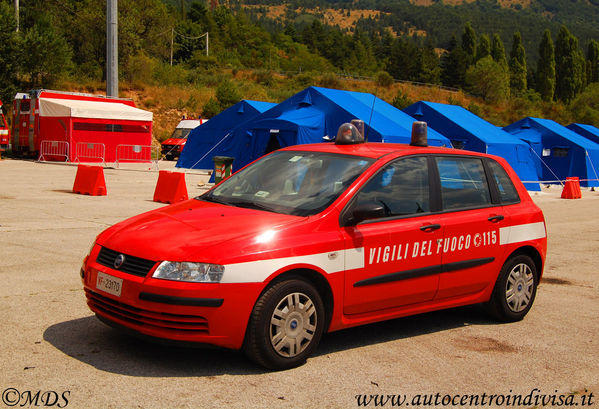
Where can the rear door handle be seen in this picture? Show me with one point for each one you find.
(495, 219)
(430, 227)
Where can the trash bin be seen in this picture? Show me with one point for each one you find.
(223, 166)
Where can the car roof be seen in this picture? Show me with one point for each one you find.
(377, 150)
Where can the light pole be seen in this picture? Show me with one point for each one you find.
(112, 42)
(16, 3)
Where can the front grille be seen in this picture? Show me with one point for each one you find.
(145, 318)
(132, 265)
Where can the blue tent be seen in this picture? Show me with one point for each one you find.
(197, 152)
(588, 131)
(563, 152)
(468, 131)
(313, 113)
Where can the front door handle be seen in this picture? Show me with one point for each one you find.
(495, 219)
(430, 227)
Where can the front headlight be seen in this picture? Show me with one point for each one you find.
(191, 272)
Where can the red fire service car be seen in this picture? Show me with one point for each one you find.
(173, 146)
(316, 238)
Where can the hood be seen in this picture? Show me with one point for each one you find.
(174, 141)
(193, 230)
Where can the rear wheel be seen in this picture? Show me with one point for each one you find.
(286, 325)
(515, 289)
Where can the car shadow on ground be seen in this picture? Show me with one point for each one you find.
(107, 349)
(400, 328)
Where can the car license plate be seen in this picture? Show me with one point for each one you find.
(111, 285)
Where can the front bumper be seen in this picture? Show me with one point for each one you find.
(171, 149)
(215, 314)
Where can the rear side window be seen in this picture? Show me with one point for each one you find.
(507, 190)
(463, 182)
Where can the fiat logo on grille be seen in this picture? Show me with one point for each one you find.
(119, 261)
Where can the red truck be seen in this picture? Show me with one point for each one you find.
(173, 146)
(4, 131)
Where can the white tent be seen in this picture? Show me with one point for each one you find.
(53, 107)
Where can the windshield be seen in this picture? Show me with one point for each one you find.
(294, 183)
(181, 133)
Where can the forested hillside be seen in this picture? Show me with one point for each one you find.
(438, 20)
(502, 61)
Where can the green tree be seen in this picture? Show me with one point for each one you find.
(211, 108)
(384, 79)
(9, 53)
(404, 61)
(469, 42)
(569, 66)
(517, 65)
(484, 47)
(489, 80)
(429, 70)
(498, 50)
(187, 41)
(454, 64)
(593, 62)
(401, 100)
(545, 76)
(585, 107)
(227, 94)
(46, 54)
(361, 60)
(143, 25)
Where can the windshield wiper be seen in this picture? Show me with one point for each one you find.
(212, 198)
(250, 205)
(236, 202)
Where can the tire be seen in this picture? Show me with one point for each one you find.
(286, 325)
(515, 289)
(169, 157)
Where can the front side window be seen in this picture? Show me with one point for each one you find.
(402, 188)
(290, 182)
(463, 182)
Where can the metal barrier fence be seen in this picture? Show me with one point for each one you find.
(53, 148)
(137, 153)
(90, 151)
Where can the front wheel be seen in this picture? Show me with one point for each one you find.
(286, 325)
(515, 289)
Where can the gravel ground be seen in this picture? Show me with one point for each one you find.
(51, 342)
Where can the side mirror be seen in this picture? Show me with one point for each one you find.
(365, 211)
